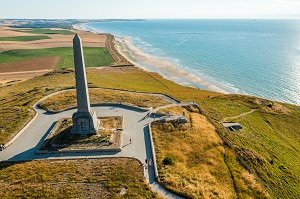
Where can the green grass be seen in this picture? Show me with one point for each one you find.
(24, 38)
(21, 96)
(67, 99)
(268, 145)
(94, 178)
(94, 56)
(199, 159)
(47, 31)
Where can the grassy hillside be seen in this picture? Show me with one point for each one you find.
(21, 96)
(24, 38)
(268, 146)
(201, 166)
(46, 31)
(94, 56)
(94, 178)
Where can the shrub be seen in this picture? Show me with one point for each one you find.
(168, 160)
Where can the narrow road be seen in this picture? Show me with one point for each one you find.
(135, 128)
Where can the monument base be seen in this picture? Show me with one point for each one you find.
(85, 123)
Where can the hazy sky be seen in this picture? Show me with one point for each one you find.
(98, 9)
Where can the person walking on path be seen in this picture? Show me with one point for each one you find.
(130, 141)
(146, 163)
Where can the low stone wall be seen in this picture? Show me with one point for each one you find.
(52, 132)
(78, 151)
(55, 130)
(153, 152)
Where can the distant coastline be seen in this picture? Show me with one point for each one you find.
(248, 57)
(155, 64)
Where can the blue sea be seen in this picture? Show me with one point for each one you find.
(253, 57)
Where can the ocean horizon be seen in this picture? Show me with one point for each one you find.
(241, 56)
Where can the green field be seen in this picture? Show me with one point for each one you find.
(94, 56)
(24, 38)
(46, 31)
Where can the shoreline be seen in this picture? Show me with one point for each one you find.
(152, 63)
(162, 66)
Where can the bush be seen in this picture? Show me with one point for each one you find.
(168, 160)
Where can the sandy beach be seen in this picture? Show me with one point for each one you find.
(161, 66)
(156, 64)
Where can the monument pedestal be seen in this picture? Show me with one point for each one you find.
(85, 123)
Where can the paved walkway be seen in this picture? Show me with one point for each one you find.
(135, 128)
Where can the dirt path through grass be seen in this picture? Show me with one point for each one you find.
(238, 116)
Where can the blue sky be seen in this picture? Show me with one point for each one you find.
(101, 9)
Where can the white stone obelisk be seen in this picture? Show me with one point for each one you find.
(85, 121)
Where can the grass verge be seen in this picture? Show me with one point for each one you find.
(93, 178)
(67, 99)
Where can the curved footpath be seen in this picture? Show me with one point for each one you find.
(136, 128)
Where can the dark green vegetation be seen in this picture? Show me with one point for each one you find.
(94, 56)
(168, 160)
(24, 38)
(46, 31)
(94, 178)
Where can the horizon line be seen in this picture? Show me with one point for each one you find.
(149, 18)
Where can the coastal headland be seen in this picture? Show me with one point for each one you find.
(198, 159)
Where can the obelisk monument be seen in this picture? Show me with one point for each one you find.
(85, 121)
